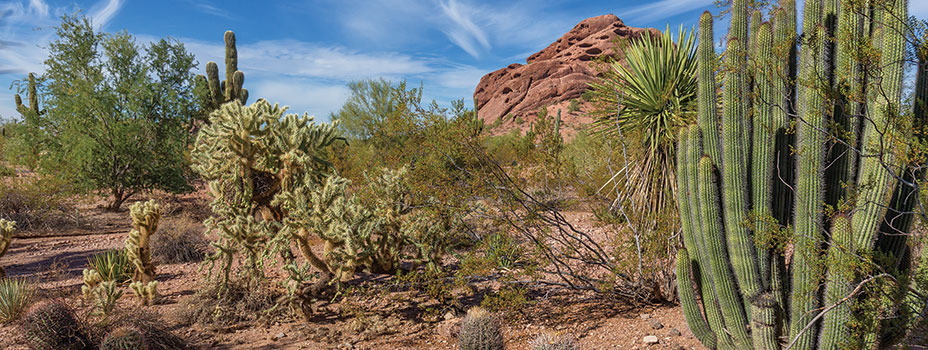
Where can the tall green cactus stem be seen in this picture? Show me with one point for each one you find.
(706, 95)
(230, 89)
(694, 317)
(6, 237)
(733, 313)
(764, 141)
(694, 152)
(838, 285)
(735, 182)
(145, 216)
(879, 133)
(802, 114)
(33, 108)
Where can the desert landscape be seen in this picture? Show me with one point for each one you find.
(746, 179)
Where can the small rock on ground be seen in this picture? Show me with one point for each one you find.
(651, 340)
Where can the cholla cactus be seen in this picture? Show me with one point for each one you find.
(480, 331)
(252, 157)
(147, 292)
(145, 216)
(105, 296)
(6, 237)
(92, 279)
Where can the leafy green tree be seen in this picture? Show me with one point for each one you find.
(117, 112)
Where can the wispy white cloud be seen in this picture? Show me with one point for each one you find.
(206, 7)
(462, 30)
(663, 9)
(103, 12)
(39, 6)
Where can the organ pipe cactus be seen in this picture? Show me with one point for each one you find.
(229, 89)
(145, 216)
(799, 187)
(6, 237)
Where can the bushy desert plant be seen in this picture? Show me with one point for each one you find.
(51, 325)
(819, 258)
(36, 203)
(480, 330)
(104, 297)
(15, 296)
(179, 241)
(112, 265)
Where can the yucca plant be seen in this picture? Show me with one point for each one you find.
(648, 99)
(15, 296)
(112, 265)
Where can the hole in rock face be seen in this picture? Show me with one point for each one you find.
(604, 37)
(517, 75)
(585, 45)
(594, 51)
(585, 57)
(506, 91)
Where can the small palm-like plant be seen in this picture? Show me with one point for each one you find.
(15, 296)
(647, 100)
(112, 265)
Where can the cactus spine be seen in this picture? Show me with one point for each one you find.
(805, 117)
(6, 237)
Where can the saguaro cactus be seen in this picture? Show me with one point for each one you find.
(6, 237)
(145, 216)
(810, 138)
(229, 89)
(33, 107)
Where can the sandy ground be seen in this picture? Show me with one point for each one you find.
(55, 263)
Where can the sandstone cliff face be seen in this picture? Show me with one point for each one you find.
(552, 76)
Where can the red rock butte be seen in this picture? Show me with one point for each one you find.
(550, 77)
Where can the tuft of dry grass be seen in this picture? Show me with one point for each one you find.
(179, 240)
(240, 301)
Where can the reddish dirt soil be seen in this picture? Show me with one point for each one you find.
(55, 263)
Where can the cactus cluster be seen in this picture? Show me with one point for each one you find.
(229, 89)
(799, 187)
(51, 325)
(104, 297)
(147, 292)
(480, 330)
(6, 237)
(92, 279)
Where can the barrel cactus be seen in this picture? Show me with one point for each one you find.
(51, 325)
(480, 331)
(799, 196)
(124, 338)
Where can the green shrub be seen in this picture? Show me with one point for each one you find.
(112, 265)
(574, 106)
(15, 296)
(51, 325)
(36, 203)
(480, 331)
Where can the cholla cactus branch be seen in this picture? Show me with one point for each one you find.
(145, 216)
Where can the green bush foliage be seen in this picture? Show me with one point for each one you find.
(144, 103)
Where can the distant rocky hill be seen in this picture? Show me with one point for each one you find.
(551, 77)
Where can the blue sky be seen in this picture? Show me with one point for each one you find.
(303, 53)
